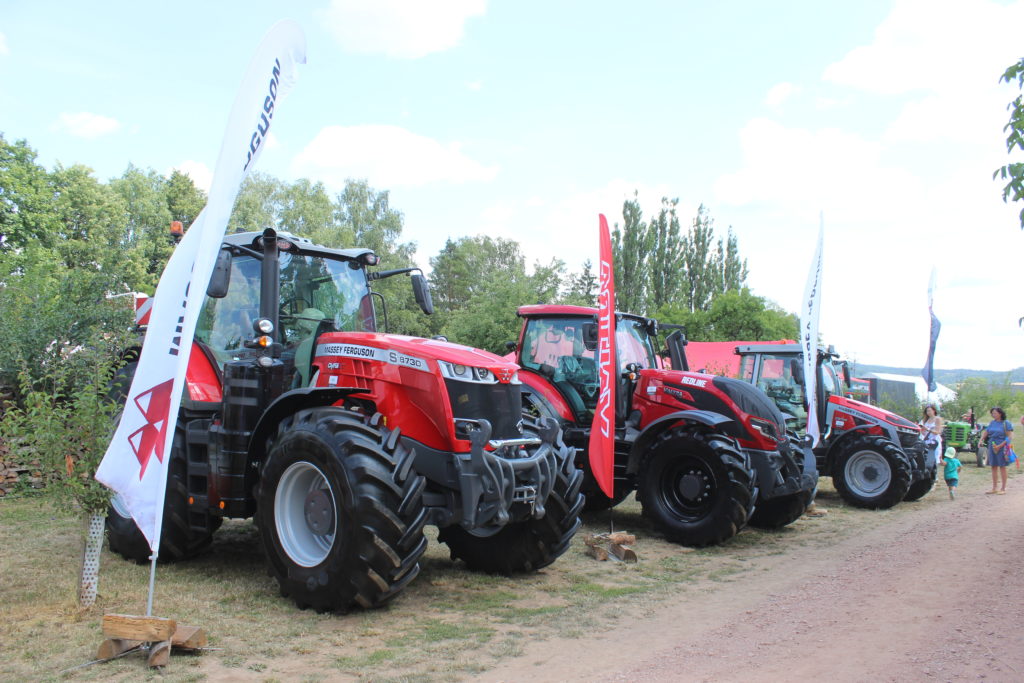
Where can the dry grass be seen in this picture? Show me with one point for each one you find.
(448, 625)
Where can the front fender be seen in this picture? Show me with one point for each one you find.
(705, 418)
(288, 403)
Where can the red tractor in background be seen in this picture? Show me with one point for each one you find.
(875, 457)
(702, 452)
(344, 443)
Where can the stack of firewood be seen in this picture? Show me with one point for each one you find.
(14, 474)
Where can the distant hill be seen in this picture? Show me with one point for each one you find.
(947, 377)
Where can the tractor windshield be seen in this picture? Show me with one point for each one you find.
(776, 378)
(317, 294)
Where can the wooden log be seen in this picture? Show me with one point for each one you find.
(597, 552)
(130, 627)
(159, 654)
(112, 647)
(188, 637)
(622, 538)
(622, 552)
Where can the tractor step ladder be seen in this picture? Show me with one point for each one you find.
(198, 474)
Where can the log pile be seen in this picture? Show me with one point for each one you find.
(14, 474)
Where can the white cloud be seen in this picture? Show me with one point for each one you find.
(567, 228)
(86, 125)
(475, 86)
(779, 93)
(406, 29)
(939, 47)
(199, 172)
(4, 50)
(389, 156)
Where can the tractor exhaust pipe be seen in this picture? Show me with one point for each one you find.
(270, 282)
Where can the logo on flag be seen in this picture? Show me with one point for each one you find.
(148, 440)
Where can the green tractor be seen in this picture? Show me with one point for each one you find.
(963, 436)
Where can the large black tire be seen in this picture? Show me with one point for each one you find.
(340, 510)
(697, 487)
(178, 540)
(871, 472)
(531, 544)
(920, 488)
(782, 511)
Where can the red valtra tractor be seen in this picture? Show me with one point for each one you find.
(875, 457)
(702, 452)
(343, 442)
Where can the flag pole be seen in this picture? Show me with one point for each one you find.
(152, 583)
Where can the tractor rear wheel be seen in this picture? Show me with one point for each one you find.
(979, 455)
(531, 544)
(697, 487)
(779, 512)
(340, 510)
(871, 472)
(178, 539)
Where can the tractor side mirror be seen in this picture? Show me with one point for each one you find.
(796, 369)
(846, 376)
(221, 278)
(511, 346)
(590, 336)
(421, 290)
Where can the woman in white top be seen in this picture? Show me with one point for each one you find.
(931, 431)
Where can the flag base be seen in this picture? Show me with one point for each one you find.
(126, 632)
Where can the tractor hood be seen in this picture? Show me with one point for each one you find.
(874, 411)
(413, 352)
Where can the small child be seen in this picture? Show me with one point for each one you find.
(951, 471)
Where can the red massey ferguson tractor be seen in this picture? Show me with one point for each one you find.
(875, 457)
(702, 452)
(343, 442)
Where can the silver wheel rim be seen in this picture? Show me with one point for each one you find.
(305, 514)
(867, 474)
(117, 502)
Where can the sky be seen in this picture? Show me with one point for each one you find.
(881, 119)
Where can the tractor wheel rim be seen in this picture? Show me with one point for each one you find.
(867, 474)
(120, 507)
(689, 490)
(305, 514)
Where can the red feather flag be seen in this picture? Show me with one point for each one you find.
(602, 432)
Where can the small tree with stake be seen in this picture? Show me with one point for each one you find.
(65, 421)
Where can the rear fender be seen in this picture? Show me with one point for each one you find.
(705, 418)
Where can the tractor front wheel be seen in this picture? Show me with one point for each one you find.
(531, 544)
(871, 472)
(779, 512)
(697, 487)
(920, 488)
(340, 510)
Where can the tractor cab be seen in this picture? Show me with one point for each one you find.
(318, 290)
(560, 344)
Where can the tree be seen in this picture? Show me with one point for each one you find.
(734, 316)
(581, 288)
(1013, 173)
(631, 248)
(184, 199)
(26, 197)
(666, 256)
(700, 274)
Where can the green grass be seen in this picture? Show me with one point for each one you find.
(449, 624)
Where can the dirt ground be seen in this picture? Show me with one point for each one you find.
(931, 595)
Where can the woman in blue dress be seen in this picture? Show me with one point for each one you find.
(999, 434)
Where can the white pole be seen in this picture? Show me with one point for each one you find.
(152, 580)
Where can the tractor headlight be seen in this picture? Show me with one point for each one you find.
(462, 373)
(263, 326)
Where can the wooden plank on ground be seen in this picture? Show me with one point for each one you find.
(112, 647)
(131, 627)
(188, 637)
(159, 654)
